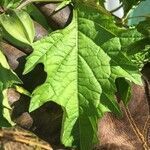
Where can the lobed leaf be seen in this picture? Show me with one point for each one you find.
(82, 63)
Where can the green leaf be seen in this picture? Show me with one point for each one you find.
(7, 79)
(144, 27)
(143, 56)
(35, 13)
(10, 3)
(63, 4)
(82, 63)
(124, 90)
(18, 27)
(5, 120)
(136, 46)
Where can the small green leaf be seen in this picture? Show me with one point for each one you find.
(136, 46)
(142, 57)
(21, 90)
(63, 4)
(7, 79)
(18, 27)
(144, 27)
(124, 90)
(5, 120)
(35, 13)
(10, 3)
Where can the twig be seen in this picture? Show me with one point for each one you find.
(135, 129)
(147, 92)
(32, 143)
(16, 132)
(146, 125)
(13, 137)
